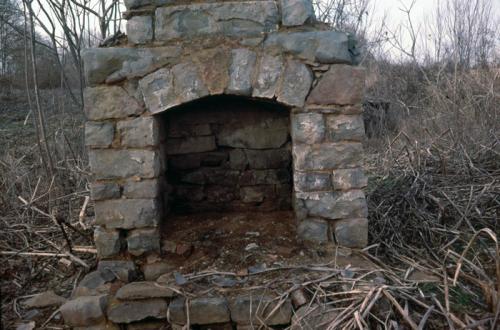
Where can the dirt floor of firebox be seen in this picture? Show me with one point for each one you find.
(239, 242)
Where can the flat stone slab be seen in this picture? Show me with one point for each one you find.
(84, 311)
(137, 310)
(144, 290)
(205, 310)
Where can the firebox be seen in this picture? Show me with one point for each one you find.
(244, 106)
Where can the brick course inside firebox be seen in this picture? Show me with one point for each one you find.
(228, 154)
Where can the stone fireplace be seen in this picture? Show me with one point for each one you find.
(222, 107)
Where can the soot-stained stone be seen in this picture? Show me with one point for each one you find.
(195, 144)
(271, 133)
(127, 213)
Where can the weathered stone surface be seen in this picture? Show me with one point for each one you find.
(296, 12)
(114, 64)
(153, 271)
(99, 134)
(241, 72)
(124, 270)
(295, 85)
(209, 310)
(213, 65)
(271, 133)
(327, 156)
(336, 205)
(344, 127)
(313, 317)
(127, 213)
(227, 18)
(321, 46)
(105, 102)
(268, 159)
(195, 144)
(84, 311)
(351, 233)
(139, 132)
(112, 164)
(185, 130)
(258, 177)
(95, 283)
(104, 190)
(312, 181)
(148, 325)
(140, 29)
(247, 309)
(269, 72)
(44, 299)
(314, 230)
(107, 242)
(132, 4)
(137, 310)
(346, 179)
(164, 88)
(140, 241)
(256, 194)
(237, 159)
(141, 189)
(342, 85)
(308, 128)
(143, 290)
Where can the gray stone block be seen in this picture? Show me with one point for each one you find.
(256, 309)
(345, 179)
(327, 156)
(127, 213)
(139, 132)
(241, 72)
(107, 102)
(108, 242)
(84, 311)
(137, 310)
(335, 205)
(203, 310)
(141, 189)
(153, 271)
(341, 85)
(114, 64)
(295, 85)
(140, 29)
(342, 127)
(248, 18)
(143, 290)
(99, 134)
(296, 12)
(312, 181)
(351, 233)
(195, 144)
(269, 71)
(307, 128)
(104, 190)
(140, 241)
(115, 164)
(124, 270)
(321, 46)
(313, 230)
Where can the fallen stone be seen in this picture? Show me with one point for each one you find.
(107, 102)
(341, 85)
(124, 270)
(137, 310)
(246, 309)
(127, 213)
(143, 290)
(295, 85)
(296, 12)
(94, 284)
(84, 311)
(153, 271)
(201, 311)
(44, 299)
(140, 29)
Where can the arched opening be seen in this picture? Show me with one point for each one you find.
(229, 182)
